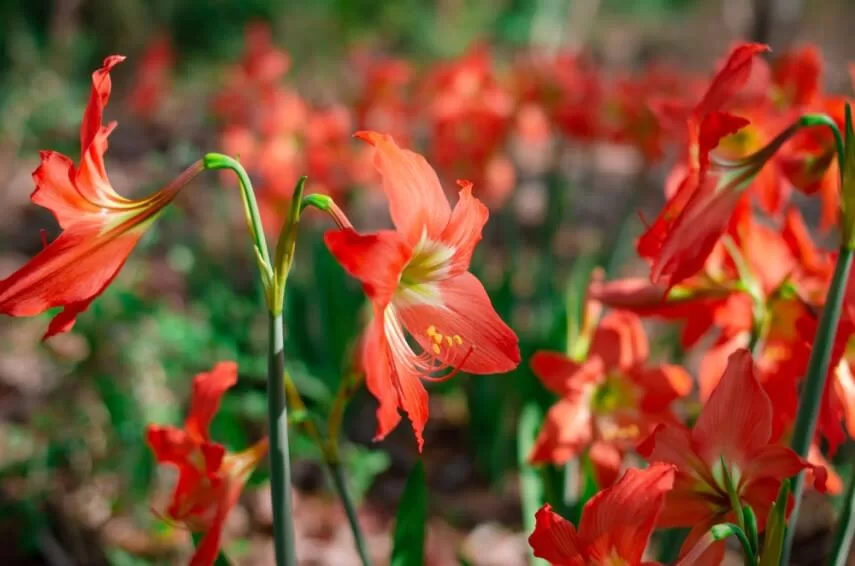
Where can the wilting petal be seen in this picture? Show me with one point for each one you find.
(620, 519)
(377, 259)
(471, 334)
(566, 430)
(736, 422)
(208, 390)
(464, 229)
(561, 375)
(416, 200)
(555, 539)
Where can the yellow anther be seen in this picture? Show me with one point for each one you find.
(437, 338)
(449, 341)
(431, 331)
(436, 349)
(458, 339)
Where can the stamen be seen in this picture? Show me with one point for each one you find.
(453, 372)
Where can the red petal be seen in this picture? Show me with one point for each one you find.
(566, 430)
(70, 272)
(208, 390)
(620, 340)
(561, 375)
(416, 200)
(772, 462)
(170, 445)
(662, 385)
(732, 76)
(379, 377)
(798, 75)
(606, 459)
(737, 420)
(464, 229)
(55, 189)
(555, 539)
(465, 311)
(377, 260)
(98, 98)
(620, 519)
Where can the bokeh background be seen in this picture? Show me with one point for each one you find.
(284, 84)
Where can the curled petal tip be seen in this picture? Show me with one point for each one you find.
(112, 60)
(370, 137)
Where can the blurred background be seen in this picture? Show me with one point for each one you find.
(542, 103)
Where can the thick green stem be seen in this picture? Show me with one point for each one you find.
(280, 461)
(815, 379)
(846, 528)
(340, 482)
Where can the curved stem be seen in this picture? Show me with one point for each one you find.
(817, 372)
(340, 483)
(280, 461)
(253, 217)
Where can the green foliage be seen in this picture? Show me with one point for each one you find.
(411, 521)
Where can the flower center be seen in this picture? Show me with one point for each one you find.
(429, 264)
(614, 393)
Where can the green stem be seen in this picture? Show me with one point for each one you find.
(846, 528)
(340, 483)
(817, 372)
(280, 461)
(253, 217)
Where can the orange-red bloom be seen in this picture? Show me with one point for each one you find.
(698, 212)
(616, 523)
(210, 479)
(100, 228)
(732, 436)
(608, 402)
(421, 290)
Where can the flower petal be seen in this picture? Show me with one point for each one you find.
(56, 191)
(737, 420)
(379, 376)
(70, 272)
(471, 334)
(417, 202)
(731, 77)
(620, 519)
(377, 260)
(555, 539)
(620, 340)
(561, 375)
(464, 229)
(566, 431)
(208, 390)
(98, 98)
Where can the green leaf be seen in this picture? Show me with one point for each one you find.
(531, 483)
(749, 519)
(776, 528)
(411, 520)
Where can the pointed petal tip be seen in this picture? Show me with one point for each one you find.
(111, 61)
(370, 136)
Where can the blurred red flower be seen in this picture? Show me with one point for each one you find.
(609, 401)
(418, 281)
(210, 479)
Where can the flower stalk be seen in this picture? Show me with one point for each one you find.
(820, 357)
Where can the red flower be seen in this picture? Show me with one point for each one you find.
(100, 228)
(609, 401)
(418, 281)
(209, 478)
(684, 234)
(616, 523)
(732, 434)
(151, 84)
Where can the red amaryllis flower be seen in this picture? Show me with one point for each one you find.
(731, 436)
(609, 401)
(100, 228)
(210, 479)
(151, 83)
(616, 523)
(418, 281)
(700, 209)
